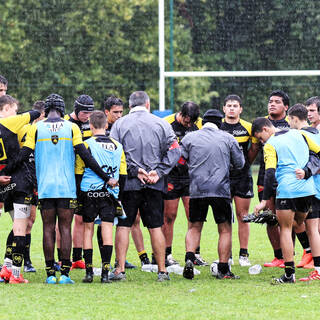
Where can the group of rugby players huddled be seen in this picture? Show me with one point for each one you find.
(100, 167)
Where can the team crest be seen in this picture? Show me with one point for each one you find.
(54, 139)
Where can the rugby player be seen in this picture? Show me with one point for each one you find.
(182, 123)
(18, 192)
(298, 115)
(282, 159)
(209, 153)
(313, 107)
(151, 151)
(113, 108)
(55, 142)
(96, 197)
(83, 107)
(28, 267)
(241, 182)
(278, 104)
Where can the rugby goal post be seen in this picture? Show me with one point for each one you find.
(218, 74)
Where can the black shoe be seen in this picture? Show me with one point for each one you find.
(283, 279)
(188, 271)
(88, 278)
(228, 275)
(145, 261)
(28, 267)
(129, 265)
(105, 277)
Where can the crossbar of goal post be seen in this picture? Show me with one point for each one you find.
(176, 74)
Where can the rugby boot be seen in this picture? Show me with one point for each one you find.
(310, 265)
(121, 276)
(274, 263)
(228, 275)
(51, 280)
(28, 267)
(65, 280)
(163, 276)
(79, 264)
(5, 273)
(170, 261)
(188, 271)
(313, 275)
(200, 261)
(14, 280)
(283, 279)
(105, 276)
(88, 278)
(306, 258)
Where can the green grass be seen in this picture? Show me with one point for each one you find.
(141, 297)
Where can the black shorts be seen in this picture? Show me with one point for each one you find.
(94, 205)
(16, 197)
(60, 203)
(296, 204)
(177, 189)
(242, 186)
(221, 209)
(314, 212)
(149, 202)
(260, 192)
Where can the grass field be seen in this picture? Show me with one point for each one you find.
(141, 297)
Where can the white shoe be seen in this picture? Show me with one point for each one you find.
(244, 261)
(200, 261)
(171, 261)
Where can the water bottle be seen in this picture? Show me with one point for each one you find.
(256, 269)
(150, 268)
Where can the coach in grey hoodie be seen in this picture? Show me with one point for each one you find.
(151, 150)
(210, 152)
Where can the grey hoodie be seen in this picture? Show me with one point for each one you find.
(209, 153)
(149, 143)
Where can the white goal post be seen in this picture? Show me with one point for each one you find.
(165, 74)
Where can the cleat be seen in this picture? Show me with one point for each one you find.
(145, 261)
(310, 265)
(51, 280)
(121, 276)
(5, 273)
(79, 264)
(14, 280)
(1, 280)
(228, 275)
(306, 258)
(200, 261)
(88, 278)
(274, 263)
(129, 265)
(65, 280)
(244, 261)
(56, 266)
(28, 267)
(163, 276)
(170, 261)
(105, 277)
(313, 275)
(283, 279)
(188, 271)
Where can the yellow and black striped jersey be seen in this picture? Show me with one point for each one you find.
(84, 127)
(242, 133)
(9, 143)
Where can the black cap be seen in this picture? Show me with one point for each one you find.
(213, 115)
